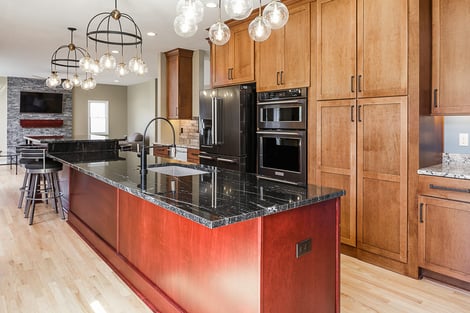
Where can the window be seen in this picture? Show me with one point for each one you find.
(98, 118)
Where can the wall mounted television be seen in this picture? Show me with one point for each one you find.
(40, 102)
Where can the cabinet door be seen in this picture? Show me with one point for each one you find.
(336, 49)
(220, 64)
(295, 71)
(336, 158)
(382, 176)
(382, 48)
(242, 55)
(450, 61)
(443, 237)
(269, 61)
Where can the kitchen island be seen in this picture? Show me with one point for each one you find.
(219, 241)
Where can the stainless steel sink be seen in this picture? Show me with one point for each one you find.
(176, 170)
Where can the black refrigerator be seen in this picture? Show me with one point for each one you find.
(227, 127)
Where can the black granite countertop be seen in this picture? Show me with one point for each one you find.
(216, 198)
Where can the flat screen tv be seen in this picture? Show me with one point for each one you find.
(40, 102)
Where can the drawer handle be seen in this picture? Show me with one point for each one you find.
(432, 186)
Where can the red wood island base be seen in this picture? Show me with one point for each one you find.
(177, 265)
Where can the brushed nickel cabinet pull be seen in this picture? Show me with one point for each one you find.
(352, 83)
(435, 98)
(445, 188)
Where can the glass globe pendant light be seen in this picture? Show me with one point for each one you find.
(238, 9)
(53, 80)
(192, 10)
(259, 29)
(76, 80)
(108, 61)
(184, 27)
(276, 13)
(67, 84)
(219, 33)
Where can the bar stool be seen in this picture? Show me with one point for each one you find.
(41, 181)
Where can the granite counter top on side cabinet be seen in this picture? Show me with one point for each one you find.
(217, 198)
(452, 166)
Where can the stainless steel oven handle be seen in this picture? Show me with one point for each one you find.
(297, 101)
(206, 157)
(226, 160)
(262, 132)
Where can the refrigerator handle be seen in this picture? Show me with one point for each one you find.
(213, 121)
(216, 122)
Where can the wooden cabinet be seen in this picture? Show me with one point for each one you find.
(193, 155)
(378, 49)
(362, 148)
(443, 232)
(283, 61)
(179, 73)
(234, 62)
(450, 61)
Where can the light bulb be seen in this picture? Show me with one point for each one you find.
(143, 68)
(238, 9)
(95, 67)
(276, 13)
(192, 10)
(259, 29)
(76, 80)
(67, 84)
(53, 80)
(121, 69)
(184, 27)
(92, 83)
(219, 33)
(85, 63)
(134, 64)
(108, 61)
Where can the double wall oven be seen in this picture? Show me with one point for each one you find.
(281, 135)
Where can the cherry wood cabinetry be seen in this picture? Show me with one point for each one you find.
(179, 75)
(362, 148)
(283, 61)
(177, 265)
(234, 62)
(450, 61)
(378, 49)
(444, 235)
(193, 155)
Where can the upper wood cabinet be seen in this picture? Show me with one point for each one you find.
(362, 148)
(378, 49)
(450, 61)
(283, 61)
(179, 76)
(234, 62)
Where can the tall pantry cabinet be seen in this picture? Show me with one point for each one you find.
(362, 120)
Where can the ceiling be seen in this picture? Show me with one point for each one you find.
(30, 31)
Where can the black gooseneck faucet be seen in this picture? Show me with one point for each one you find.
(143, 153)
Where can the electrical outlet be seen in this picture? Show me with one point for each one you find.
(463, 139)
(303, 247)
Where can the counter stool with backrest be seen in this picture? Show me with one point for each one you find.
(41, 181)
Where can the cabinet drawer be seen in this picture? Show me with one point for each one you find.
(446, 188)
(193, 155)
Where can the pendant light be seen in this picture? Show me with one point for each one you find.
(276, 13)
(259, 29)
(238, 9)
(219, 33)
(189, 14)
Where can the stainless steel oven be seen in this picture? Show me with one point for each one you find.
(281, 135)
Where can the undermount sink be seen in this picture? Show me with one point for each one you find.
(175, 170)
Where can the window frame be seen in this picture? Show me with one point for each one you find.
(106, 132)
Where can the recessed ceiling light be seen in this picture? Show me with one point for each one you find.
(116, 81)
(115, 51)
(211, 4)
(151, 34)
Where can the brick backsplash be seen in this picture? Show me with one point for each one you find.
(15, 132)
(190, 134)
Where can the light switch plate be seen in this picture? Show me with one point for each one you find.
(463, 139)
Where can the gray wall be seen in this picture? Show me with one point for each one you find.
(142, 107)
(453, 125)
(15, 132)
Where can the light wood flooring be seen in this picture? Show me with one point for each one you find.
(47, 268)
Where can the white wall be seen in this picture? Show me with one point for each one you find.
(3, 114)
(142, 107)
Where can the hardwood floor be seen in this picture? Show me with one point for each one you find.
(46, 267)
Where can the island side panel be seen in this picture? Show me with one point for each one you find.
(203, 270)
(309, 283)
(94, 203)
